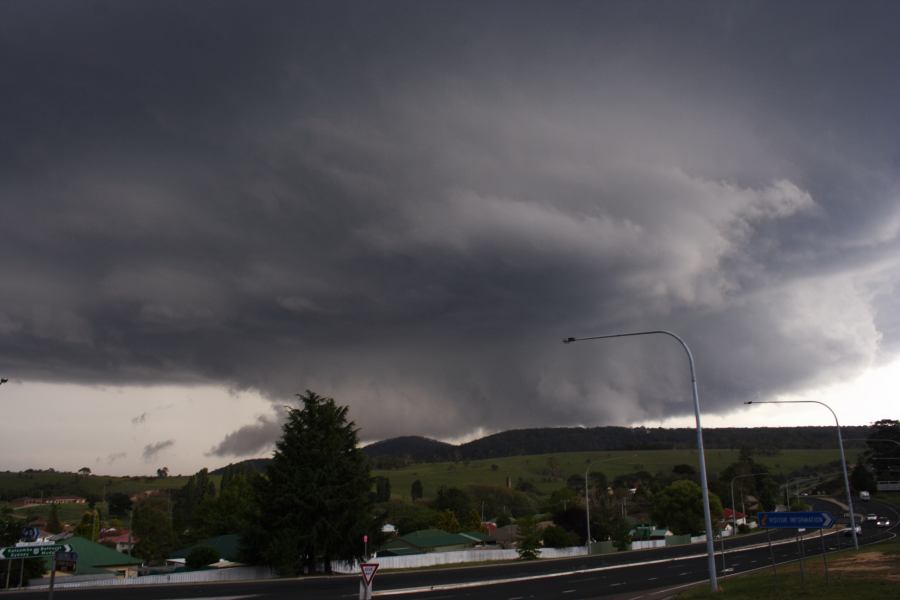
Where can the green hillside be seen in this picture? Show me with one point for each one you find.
(550, 471)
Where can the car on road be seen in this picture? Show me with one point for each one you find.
(871, 517)
(883, 522)
(849, 530)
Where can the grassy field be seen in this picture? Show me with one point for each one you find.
(21, 484)
(17, 484)
(68, 513)
(871, 574)
(550, 471)
(889, 497)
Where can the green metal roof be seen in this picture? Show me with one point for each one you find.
(478, 536)
(433, 538)
(228, 547)
(95, 558)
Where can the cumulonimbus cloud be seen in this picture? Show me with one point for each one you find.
(411, 227)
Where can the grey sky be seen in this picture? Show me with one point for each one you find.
(405, 205)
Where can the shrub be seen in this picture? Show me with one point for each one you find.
(201, 556)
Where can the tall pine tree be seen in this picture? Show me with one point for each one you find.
(313, 504)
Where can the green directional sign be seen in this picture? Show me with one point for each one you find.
(14, 552)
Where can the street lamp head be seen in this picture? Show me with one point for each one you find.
(749, 402)
(568, 340)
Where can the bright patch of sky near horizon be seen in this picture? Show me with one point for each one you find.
(197, 417)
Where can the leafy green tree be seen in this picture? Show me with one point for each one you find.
(201, 556)
(53, 523)
(680, 507)
(313, 505)
(619, 533)
(557, 537)
(409, 516)
(89, 527)
(472, 522)
(528, 539)
(861, 478)
(447, 521)
(453, 499)
(382, 489)
(118, 504)
(186, 502)
(497, 500)
(153, 528)
(683, 471)
(415, 491)
(883, 452)
(562, 499)
(230, 512)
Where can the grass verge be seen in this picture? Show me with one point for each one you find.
(871, 574)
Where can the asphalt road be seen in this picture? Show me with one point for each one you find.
(569, 579)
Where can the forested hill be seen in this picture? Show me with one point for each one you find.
(519, 442)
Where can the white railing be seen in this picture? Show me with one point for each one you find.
(433, 559)
(229, 574)
(645, 544)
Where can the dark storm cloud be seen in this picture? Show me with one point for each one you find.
(152, 450)
(249, 439)
(406, 205)
(113, 457)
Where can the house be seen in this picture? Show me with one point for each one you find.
(95, 558)
(122, 540)
(432, 540)
(30, 501)
(733, 516)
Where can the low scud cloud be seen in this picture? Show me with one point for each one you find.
(409, 213)
(152, 451)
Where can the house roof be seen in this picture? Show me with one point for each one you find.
(432, 538)
(228, 547)
(96, 558)
(727, 514)
(478, 536)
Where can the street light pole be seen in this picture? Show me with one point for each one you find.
(843, 457)
(707, 517)
(587, 510)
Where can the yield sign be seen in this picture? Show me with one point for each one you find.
(368, 572)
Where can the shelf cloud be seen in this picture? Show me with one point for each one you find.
(407, 210)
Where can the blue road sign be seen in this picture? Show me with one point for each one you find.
(29, 534)
(795, 520)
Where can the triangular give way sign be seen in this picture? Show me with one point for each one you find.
(368, 571)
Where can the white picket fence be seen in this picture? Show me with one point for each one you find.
(433, 559)
(230, 574)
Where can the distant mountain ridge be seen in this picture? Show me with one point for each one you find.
(518, 442)
(545, 440)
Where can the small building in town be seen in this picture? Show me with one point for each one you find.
(433, 540)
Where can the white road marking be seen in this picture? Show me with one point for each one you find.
(683, 574)
(616, 584)
(567, 591)
(591, 570)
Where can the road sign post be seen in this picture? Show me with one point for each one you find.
(368, 576)
(38, 551)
